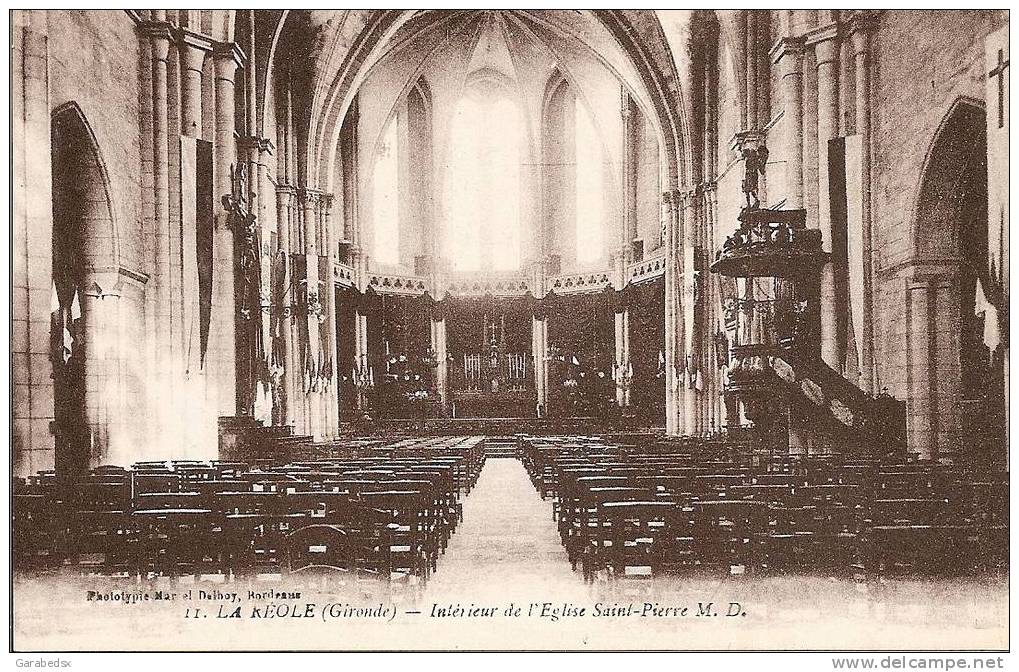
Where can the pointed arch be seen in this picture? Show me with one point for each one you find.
(952, 375)
(78, 166)
(959, 142)
(85, 266)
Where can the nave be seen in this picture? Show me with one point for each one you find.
(508, 544)
(509, 547)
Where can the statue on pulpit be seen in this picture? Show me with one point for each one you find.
(755, 160)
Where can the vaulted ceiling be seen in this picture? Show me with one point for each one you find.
(334, 52)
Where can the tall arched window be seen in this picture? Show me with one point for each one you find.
(385, 197)
(590, 209)
(482, 185)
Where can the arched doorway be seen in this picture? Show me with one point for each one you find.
(957, 393)
(83, 242)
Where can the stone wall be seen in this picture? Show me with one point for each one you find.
(924, 61)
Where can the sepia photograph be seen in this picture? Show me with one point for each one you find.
(554, 330)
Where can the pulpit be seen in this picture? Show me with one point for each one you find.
(770, 304)
(775, 377)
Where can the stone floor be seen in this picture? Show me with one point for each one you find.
(508, 543)
(505, 583)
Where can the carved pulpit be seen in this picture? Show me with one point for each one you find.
(771, 267)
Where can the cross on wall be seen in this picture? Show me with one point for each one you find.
(999, 72)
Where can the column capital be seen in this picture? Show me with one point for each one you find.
(682, 199)
(228, 54)
(155, 30)
(311, 196)
(791, 47)
(262, 145)
(862, 20)
(825, 52)
(159, 35)
(193, 40)
(824, 34)
(193, 49)
(861, 26)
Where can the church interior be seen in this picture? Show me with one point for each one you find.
(669, 293)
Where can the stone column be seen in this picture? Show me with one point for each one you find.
(825, 50)
(861, 53)
(264, 187)
(688, 398)
(32, 256)
(361, 351)
(750, 53)
(438, 343)
(332, 409)
(619, 365)
(360, 320)
(946, 373)
(310, 200)
(222, 379)
(669, 325)
(716, 388)
(250, 77)
(629, 232)
(788, 55)
(539, 350)
(161, 381)
(920, 427)
(671, 271)
(103, 379)
(626, 357)
(284, 203)
(705, 360)
(193, 49)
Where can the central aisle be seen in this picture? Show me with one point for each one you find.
(507, 543)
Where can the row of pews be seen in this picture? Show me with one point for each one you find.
(682, 505)
(373, 511)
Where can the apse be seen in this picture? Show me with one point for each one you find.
(468, 190)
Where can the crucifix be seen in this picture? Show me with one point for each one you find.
(999, 72)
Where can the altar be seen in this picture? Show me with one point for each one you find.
(467, 404)
(491, 367)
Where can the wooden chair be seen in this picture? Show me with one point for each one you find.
(624, 544)
(724, 533)
(400, 539)
(35, 530)
(172, 543)
(320, 546)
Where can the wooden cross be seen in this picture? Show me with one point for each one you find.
(999, 72)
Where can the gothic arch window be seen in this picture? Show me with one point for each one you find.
(482, 182)
(416, 227)
(575, 180)
(385, 196)
(590, 187)
(558, 156)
